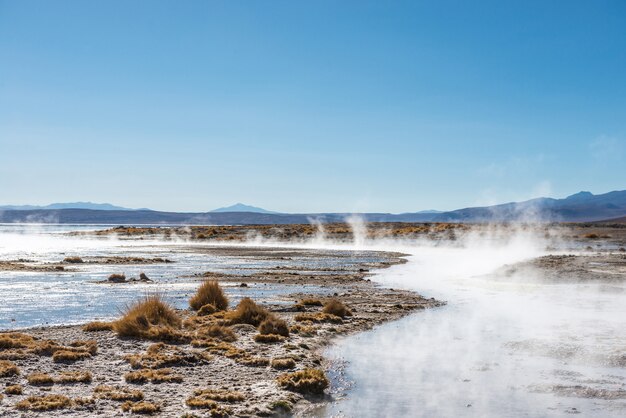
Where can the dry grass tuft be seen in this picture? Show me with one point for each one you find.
(44, 403)
(74, 377)
(150, 318)
(163, 355)
(219, 395)
(218, 332)
(16, 340)
(73, 260)
(318, 318)
(304, 330)
(118, 393)
(252, 361)
(142, 407)
(247, 312)
(283, 363)
(69, 356)
(219, 347)
(154, 376)
(40, 379)
(14, 390)
(335, 307)
(117, 278)
(307, 381)
(15, 354)
(98, 326)
(208, 309)
(209, 292)
(311, 302)
(274, 325)
(268, 338)
(8, 368)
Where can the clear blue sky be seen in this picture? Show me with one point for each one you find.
(310, 106)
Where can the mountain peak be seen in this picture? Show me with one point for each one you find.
(241, 207)
(580, 196)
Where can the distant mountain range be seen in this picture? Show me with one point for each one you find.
(580, 207)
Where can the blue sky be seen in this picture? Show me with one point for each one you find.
(310, 106)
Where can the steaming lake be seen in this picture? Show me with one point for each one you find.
(502, 347)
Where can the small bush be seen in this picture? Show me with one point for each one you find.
(311, 302)
(318, 318)
(154, 376)
(307, 381)
(252, 361)
(44, 403)
(274, 325)
(73, 260)
(268, 338)
(74, 377)
(219, 395)
(145, 314)
(40, 379)
(247, 312)
(69, 356)
(219, 332)
(209, 292)
(14, 390)
(304, 330)
(8, 368)
(117, 393)
(283, 363)
(142, 407)
(592, 236)
(335, 307)
(98, 326)
(163, 355)
(117, 278)
(207, 309)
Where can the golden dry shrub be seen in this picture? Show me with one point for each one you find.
(118, 393)
(154, 376)
(219, 332)
(335, 307)
(318, 318)
(69, 356)
(274, 325)
(268, 338)
(150, 317)
(8, 368)
(252, 361)
(14, 390)
(208, 309)
(96, 326)
(73, 259)
(164, 355)
(74, 377)
(283, 363)
(211, 293)
(142, 407)
(247, 312)
(40, 379)
(307, 381)
(219, 395)
(11, 340)
(44, 403)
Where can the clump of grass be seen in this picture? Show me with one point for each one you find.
(208, 309)
(69, 356)
(335, 307)
(44, 403)
(307, 381)
(154, 376)
(268, 338)
(74, 377)
(311, 302)
(282, 406)
(219, 347)
(142, 407)
(8, 368)
(163, 355)
(14, 354)
(219, 332)
(150, 318)
(274, 325)
(220, 395)
(592, 236)
(247, 312)
(283, 363)
(14, 390)
(304, 330)
(117, 278)
(40, 379)
(16, 340)
(73, 260)
(318, 318)
(209, 292)
(118, 393)
(98, 326)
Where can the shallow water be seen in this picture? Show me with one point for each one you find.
(502, 347)
(69, 297)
